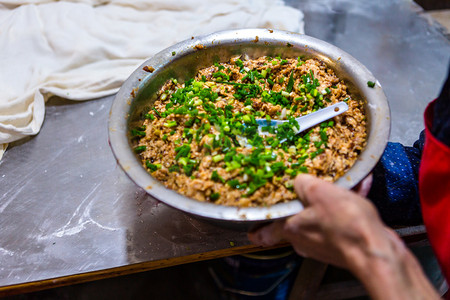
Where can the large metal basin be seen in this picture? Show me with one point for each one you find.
(183, 60)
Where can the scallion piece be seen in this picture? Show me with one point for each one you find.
(152, 167)
(218, 158)
(182, 151)
(290, 84)
(149, 117)
(371, 84)
(264, 73)
(174, 168)
(170, 124)
(285, 94)
(216, 177)
(221, 76)
(247, 119)
(157, 112)
(214, 197)
(140, 149)
(137, 133)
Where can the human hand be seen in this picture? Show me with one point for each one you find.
(363, 188)
(335, 224)
(342, 228)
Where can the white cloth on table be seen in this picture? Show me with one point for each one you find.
(82, 50)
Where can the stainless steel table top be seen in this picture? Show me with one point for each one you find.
(66, 208)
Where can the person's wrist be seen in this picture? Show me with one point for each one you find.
(380, 265)
(375, 249)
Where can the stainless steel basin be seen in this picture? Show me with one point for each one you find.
(183, 60)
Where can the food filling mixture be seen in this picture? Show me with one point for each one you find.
(193, 139)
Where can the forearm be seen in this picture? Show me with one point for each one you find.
(389, 270)
(341, 228)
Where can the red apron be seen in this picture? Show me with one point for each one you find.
(434, 189)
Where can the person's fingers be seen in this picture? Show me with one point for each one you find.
(311, 189)
(304, 220)
(268, 235)
(300, 183)
(310, 245)
(363, 188)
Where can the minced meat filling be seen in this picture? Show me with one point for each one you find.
(191, 140)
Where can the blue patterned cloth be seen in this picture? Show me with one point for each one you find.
(395, 184)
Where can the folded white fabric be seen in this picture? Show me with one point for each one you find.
(85, 49)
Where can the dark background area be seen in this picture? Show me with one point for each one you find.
(434, 4)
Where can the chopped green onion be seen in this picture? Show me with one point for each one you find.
(174, 168)
(152, 167)
(290, 84)
(216, 177)
(264, 73)
(371, 84)
(239, 63)
(221, 75)
(289, 184)
(182, 151)
(140, 149)
(323, 136)
(183, 161)
(214, 197)
(285, 94)
(156, 111)
(137, 133)
(218, 158)
(234, 183)
(188, 169)
(149, 116)
(170, 124)
(246, 119)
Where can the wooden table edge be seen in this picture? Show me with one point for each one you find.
(38, 285)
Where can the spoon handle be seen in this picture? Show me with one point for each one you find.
(321, 115)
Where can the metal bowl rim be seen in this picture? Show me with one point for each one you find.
(125, 157)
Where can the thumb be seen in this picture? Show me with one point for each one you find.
(313, 190)
(302, 185)
(268, 235)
